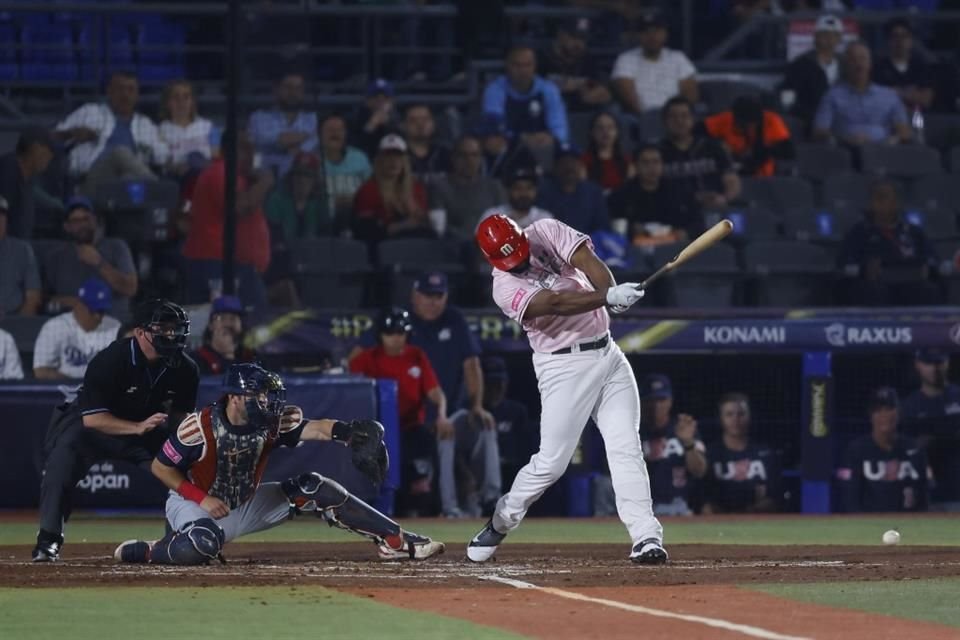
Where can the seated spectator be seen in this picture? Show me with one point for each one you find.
(10, 366)
(391, 203)
(278, 134)
(345, 167)
(67, 343)
(502, 153)
(531, 107)
(696, 164)
(576, 72)
(88, 255)
(674, 454)
(223, 338)
(745, 475)
(203, 248)
(570, 197)
(756, 137)
(376, 118)
(809, 76)
(20, 289)
(903, 69)
(655, 213)
(884, 471)
(19, 171)
(646, 77)
(465, 193)
(429, 160)
(521, 194)
(193, 141)
(931, 414)
(890, 260)
(112, 141)
(297, 207)
(856, 111)
(416, 385)
(517, 437)
(604, 159)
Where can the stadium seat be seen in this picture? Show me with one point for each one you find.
(938, 225)
(941, 130)
(819, 226)
(777, 193)
(818, 161)
(936, 192)
(719, 95)
(138, 209)
(48, 54)
(418, 254)
(955, 159)
(9, 67)
(579, 124)
(158, 65)
(789, 274)
(900, 161)
(24, 330)
(846, 191)
(116, 50)
(710, 281)
(330, 272)
(755, 223)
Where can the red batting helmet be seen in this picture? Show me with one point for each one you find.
(502, 242)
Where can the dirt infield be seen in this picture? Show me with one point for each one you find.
(354, 565)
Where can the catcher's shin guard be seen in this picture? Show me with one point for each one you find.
(197, 542)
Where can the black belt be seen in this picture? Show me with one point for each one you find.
(600, 343)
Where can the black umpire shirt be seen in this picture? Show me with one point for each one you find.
(120, 381)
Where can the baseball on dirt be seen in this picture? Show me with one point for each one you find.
(891, 537)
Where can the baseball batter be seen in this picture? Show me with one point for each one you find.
(549, 280)
(214, 462)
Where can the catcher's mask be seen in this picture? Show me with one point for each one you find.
(167, 327)
(263, 391)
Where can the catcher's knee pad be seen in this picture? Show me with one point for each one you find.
(336, 505)
(197, 542)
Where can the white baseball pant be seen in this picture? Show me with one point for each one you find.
(268, 508)
(574, 387)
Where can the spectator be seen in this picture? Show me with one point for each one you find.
(297, 208)
(20, 292)
(810, 75)
(416, 384)
(756, 137)
(10, 367)
(745, 476)
(903, 69)
(19, 171)
(88, 255)
(203, 248)
(856, 111)
(889, 260)
(696, 164)
(568, 64)
(429, 160)
(604, 159)
(884, 471)
(645, 78)
(517, 437)
(391, 203)
(570, 197)
(530, 106)
(655, 213)
(278, 134)
(930, 414)
(112, 141)
(502, 153)
(521, 194)
(193, 141)
(223, 338)
(376, 118)
(674, 453)
(465, 193)
(345, 167)
(68, 342)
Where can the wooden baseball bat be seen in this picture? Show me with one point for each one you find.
(704, 241)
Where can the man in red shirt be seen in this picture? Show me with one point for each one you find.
(204, 245)
(416, 384)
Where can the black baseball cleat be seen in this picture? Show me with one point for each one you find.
(48, 547)
(485, 543)
(649, 551)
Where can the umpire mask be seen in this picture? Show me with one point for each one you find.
(167, 327)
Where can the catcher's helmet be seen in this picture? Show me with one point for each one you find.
(167, 324)
(395, 320)
(502, 242)
(264, 391)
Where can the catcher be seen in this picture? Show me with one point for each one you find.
(214, 462)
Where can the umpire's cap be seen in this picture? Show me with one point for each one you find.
(395, 320)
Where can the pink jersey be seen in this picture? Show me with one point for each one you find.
(552, 243)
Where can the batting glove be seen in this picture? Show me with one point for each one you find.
(624, 295)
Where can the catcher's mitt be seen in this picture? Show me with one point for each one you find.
(368, 451)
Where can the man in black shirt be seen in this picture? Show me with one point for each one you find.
(429, 160)
(132, 391)
(18, 172)
(568, 63)
(809, 76)
(696, 164)
(902, 69)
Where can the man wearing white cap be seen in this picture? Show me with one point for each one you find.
(809, 77)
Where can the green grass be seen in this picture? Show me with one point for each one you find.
(926, 600)
(756, 531)
(233, 613)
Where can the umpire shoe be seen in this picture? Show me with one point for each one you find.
(48, 547)
(649, 551)
(485, 543)
(409, 546)
(133, 551)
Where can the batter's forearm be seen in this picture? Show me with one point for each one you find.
(564, 303)
(106, 422)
